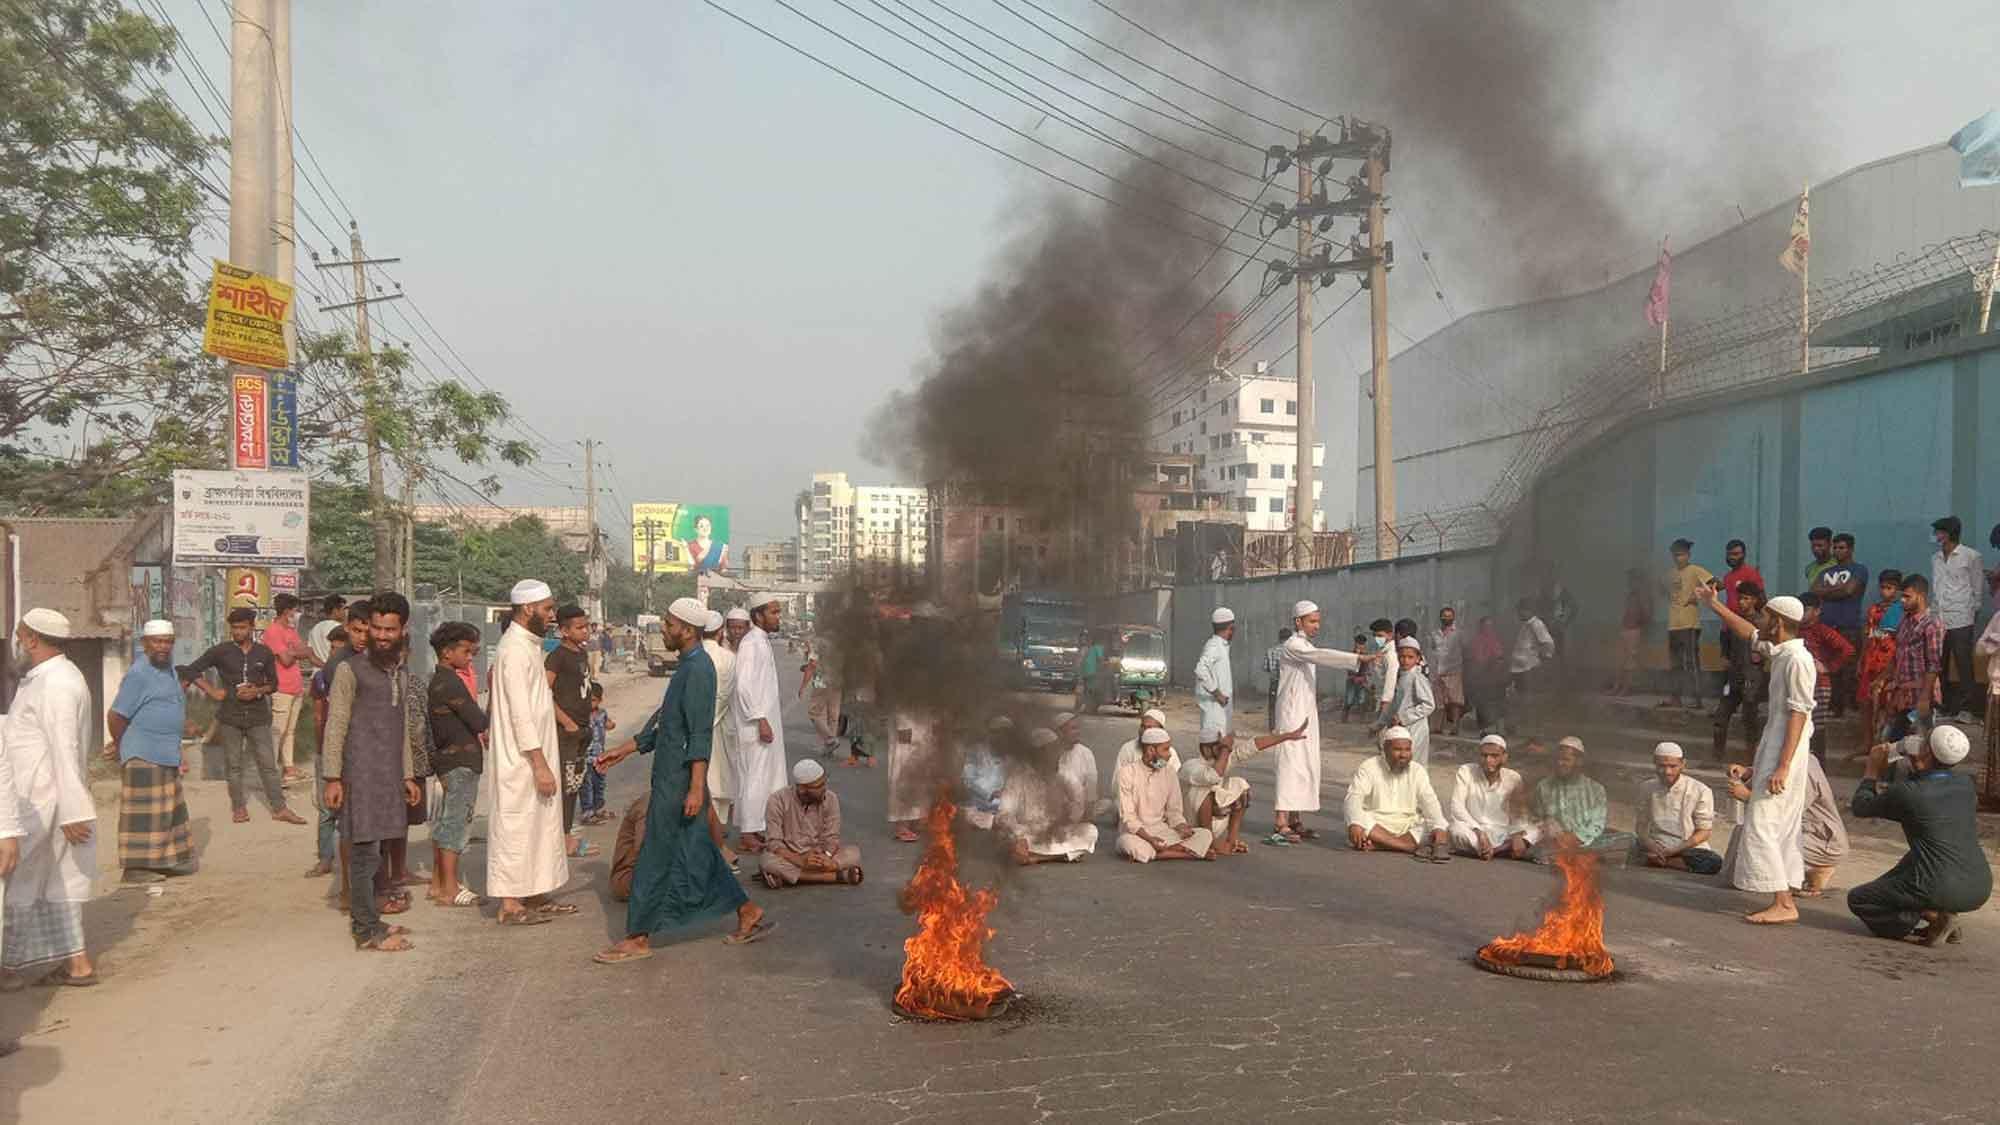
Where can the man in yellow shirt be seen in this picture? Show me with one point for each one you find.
(1685, 585)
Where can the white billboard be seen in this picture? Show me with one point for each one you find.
(226, 518)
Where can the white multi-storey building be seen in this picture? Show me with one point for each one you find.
(846, 525)
(1243, 433)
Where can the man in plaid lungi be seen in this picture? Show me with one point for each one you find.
(145, 721)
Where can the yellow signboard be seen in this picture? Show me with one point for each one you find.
(654, 548)
(246, 317)
(249, 587)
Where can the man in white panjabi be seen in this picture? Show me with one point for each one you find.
(1214, 681)
(1483, 816)
(1079, 762)
(47, 830)
(1044, 809)
(1152, 823)
(1391, 806)
(758, 708)
(721, 766)
(1150, 719)
(913, 774)
(524, 838)
(1298, 763)
(1769, 843)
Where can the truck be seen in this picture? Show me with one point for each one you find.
(660, 659)
(1039, 639)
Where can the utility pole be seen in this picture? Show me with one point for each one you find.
(250, 134)
(593, 585)
(283, 181)
(371, 400)
(1302, 475)
(409, 536)
(1386, 544)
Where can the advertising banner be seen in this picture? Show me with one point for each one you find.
(250, 428)
(675, 538)
(240, 519)
(283, 432)
(249, 586)
(246, 317)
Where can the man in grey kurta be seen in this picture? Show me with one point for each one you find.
(369, 763)
(1945, 872)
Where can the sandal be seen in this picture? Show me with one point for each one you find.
(464, 897)
(387, 943)
(1239, 848)
(1279, 840)
(395, 903)
(522, 918)
(617, 956)
(1307, 833)
(758, 932)
(848, 876)
(771, 879)
(62, 978)
(556, 909)
(585, 850)
(906, 836)
(240, 816)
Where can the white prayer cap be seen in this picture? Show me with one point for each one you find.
(1494, 740)
(528, 591)
(48, 623)
(1391, 734)
(999, 723)
(807, 771)
(1154, 736)
(1064, 718)
(714, 622)
(1787, 607)
(1949, 745)
(1042, 736)
(1211, 734)
(690, 611)
(1669, 750)
(1572, 742)
(1300, 609)
(157, 627)
(759, 601)
(736, 613)
(1222, 616)
(1153, 715)
(1410, 643)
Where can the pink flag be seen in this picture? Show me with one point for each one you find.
(1656, 303)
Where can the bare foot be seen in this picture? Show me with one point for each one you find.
(1773, 916)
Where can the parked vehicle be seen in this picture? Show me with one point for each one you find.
(1038, 638)
(660, 659)
(1123, 665)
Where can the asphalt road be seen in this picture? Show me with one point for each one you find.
(1309, 983)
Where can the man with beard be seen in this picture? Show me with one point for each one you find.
(41, 740)
(1485, 799)
(1298, 765)
(145, 725)
(722, 735)
(1214, 681)
(249, 674)
(1391, 806)
(524, 834)
(760, 722)
(373, 722)
(1045, 806)
(680, 875)
(802, 839)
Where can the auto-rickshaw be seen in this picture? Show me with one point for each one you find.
(1126, 665)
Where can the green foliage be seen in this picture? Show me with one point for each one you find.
(487, 560)
(625, 592)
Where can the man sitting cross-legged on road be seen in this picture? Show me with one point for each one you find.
(1391, 805)
(1486, 800)
(1569, 812)
(1676, 816)
(1151, 821)
(1217, 798)
(1045, 808)
(802, 836)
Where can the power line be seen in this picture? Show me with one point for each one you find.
(1245, 83)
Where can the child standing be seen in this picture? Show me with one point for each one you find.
(590, 800)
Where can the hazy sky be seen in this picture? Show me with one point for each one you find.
(647, 225)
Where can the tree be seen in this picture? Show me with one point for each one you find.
(100, 195)
(625, 591)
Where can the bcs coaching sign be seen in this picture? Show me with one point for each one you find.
(246, 317)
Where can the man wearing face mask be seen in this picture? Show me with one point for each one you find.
(145, 722)
(1152, 822)
(802, 838)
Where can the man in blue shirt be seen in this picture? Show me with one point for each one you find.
(145, 721)
(1843, 591)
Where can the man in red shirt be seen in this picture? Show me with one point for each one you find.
(281, 636)
(1736, 557)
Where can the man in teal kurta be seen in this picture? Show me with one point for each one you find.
(681, 876)
(1568, 813)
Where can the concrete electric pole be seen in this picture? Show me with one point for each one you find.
(1387, 546)
(251, 244)
(283, 180)
(371, 401)
(1302, 474)
(592, 557)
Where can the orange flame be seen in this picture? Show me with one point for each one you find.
(1572, 932)
(945, 974)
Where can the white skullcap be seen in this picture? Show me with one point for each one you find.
(807, 771)
(736, 613)
(1154, 736)
(1042, 736)
(1669, 750)
(48, 623)
(528, 591)
(690, 611)
(1787, 607)
(1391, 734)
(759, 601)
(157, 627)
(999, 722)
(1211, 734)
(1494, 740)
(1154, 715)
(1300, 609)
(1410, 643)
(714, 622)
(1949, 745)
(1571, 741)
(1063, 717)
(1222, 616)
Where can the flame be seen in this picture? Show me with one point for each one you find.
(945, 974)
(1572, 932)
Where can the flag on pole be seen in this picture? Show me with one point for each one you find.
(1800, 243)
(1656, 302)
(1978, 148)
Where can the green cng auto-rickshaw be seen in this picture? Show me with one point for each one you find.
(1125, 665)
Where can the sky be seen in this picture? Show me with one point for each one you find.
(649, 226)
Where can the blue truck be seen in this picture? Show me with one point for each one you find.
(1040, 639)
